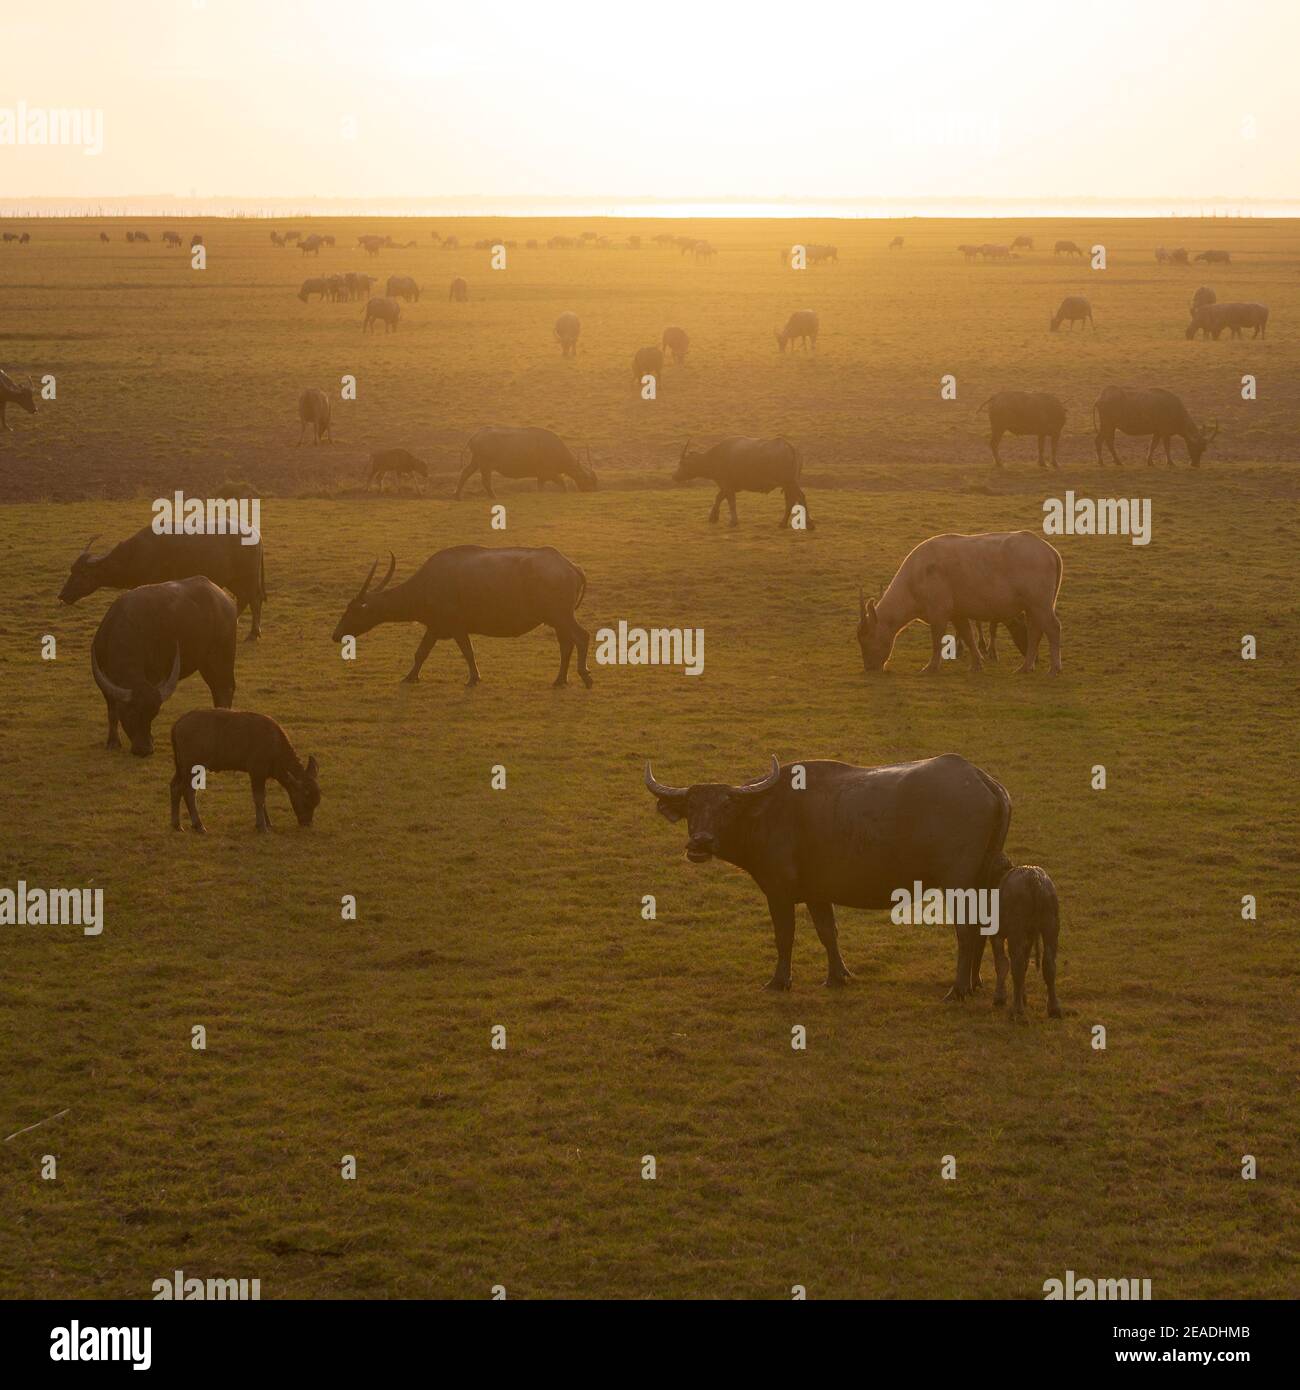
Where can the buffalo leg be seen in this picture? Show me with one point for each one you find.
(178, 781)
(938, 631)
(426, 646)
(470, 467)
(731, 502)
(1051, 934)
(961, 984)
(1019, 963)
(467, 651)
(192, 806)
(783, 925)
(967, 635)
(1000, 965)
(582, 639)
(259, 803)
(255, 604)
(113, 740)
(1151, 452)
(1051, 625)
(994, 440)
(301, 432)
(1033, 635)
(1056, 439)
(565, 638)
(823, 915)
(1169, 458)
(717, 505)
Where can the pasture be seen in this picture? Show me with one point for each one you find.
(521, 907)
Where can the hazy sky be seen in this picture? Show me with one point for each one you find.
(694, 98)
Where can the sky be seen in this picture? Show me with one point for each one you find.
(677, 101)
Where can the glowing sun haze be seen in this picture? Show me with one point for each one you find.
(674, 100)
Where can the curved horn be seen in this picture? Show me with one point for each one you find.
(685, 446)
(392, 565)
(658, 788)
(764, 782)
(168, 687)
(365, 588)
(89, 543)
(114, 692)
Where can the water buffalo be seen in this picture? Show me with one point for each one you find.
(387, 311)
(315, 286)
(225, 740)
(314, 414)
(470, 590)
(969, 251)
(524, 452)
(153, 637)
(1178, 256)
(1162, 256)
(849, 837)
(801, 327)
(402, 287)
(649, 361)
(1155, 412)
(459, 291)
(747, 465)
(103, 236)
(171, 238)
(1067, 248)
(1212, 319)
(13, 394)
(896, 244)
(1023, 243)
(396, 462)
(1074, 308)
(567, 328)
(310, 245)
(1204, 295)
(150, 558)
(1025, 412)
(998, 576)
(1214, 257)
(195, 240)
(676, 342)
(1029, 915)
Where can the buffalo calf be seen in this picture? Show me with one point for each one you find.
(1029, 916)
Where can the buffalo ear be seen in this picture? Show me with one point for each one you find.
(871, 609)
(672, 808)
(312, 770)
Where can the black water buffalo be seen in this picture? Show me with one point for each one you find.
(1025, 412)
(1074, 308)
(470, 590)
(648, 361)
(801, 327)
(402, 287)
(150, 639)
(148, 558)
(385, 311)
(1156, 412)
(524, 452)
(676, 341)
(1212, 319)
(396, 462)
(747, 465)
(850, 837)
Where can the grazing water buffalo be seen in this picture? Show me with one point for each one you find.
(567, 328)
(969, 251)
(470, 590)
(1025, 412)
(1212, 319)
(225, 740)
(1162, 256)
(397, 462)
(314, 413)
(153, 637)
(1023, 243)
(1214, 257)
(747, 465)
(315, 286)
(310, 245)
(150, 558)
(1073, 308)
(896, 244)
(676, 342)
(387, 311)
(1028, 915)
(524, 452)
(801, 327)
(1067, 248)
(993, 252)
(459, 291)
(1204, 295)
(995, 577)
(402, 287)
(13, 394)
(103, 236)
(649, 361)
(1178, 256)
(849, 837)
(195, 240)
(1155, 412)
(171, 238)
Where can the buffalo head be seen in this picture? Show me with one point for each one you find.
(715, 814)
(137, 705)
(690, 465)
(81, 580)
(584, 475)
(1197, 444)
(874, 637)
(361, 614)
(304, 792)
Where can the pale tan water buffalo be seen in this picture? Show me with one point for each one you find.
(996, 577)
(1156, 412)
(459, 291)
(1025, 412)
(1074, 309)
(1212, 319)
(1067, 248)
(649, 361)
(1204, 295)
(567, 328)
(314, 412)
(801, 327)
(386, 311)
(676, 342)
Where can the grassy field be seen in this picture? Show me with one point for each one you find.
(521, 907)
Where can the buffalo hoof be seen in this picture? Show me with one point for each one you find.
(778, 983)
(472, 682)
(955, 996)
(1054, 1011)
(713, 520)
(733, 524)
(586, 679)
(837, 981)
(412, 679)
(1019, 1018)
(559, 683)
(252, 637)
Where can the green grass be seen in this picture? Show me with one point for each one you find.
(629, 1037)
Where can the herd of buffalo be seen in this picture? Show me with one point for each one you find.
(819, 833)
